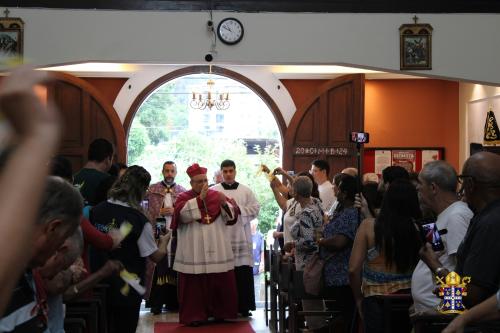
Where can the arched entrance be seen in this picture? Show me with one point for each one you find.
(205, 69)
(162, 126)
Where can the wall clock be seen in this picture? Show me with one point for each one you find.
(230, 31)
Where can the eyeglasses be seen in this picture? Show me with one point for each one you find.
(463, 178)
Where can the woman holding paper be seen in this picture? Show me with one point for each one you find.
(123, 210)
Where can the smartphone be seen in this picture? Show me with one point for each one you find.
(431, 234)
(360, 137)
(161, 227)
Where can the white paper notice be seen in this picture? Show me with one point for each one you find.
(429, 156)
(383, 159)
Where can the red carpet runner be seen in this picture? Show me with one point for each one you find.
(233, 327)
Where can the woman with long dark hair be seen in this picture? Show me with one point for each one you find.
(384, 255)
(336, 245)
(124, 205)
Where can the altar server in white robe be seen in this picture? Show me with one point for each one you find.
(240, 235)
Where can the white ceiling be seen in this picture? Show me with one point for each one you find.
(99, 69)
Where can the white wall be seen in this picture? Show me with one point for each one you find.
(464, 46)
(475, 99)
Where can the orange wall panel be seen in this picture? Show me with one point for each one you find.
(413, 113)
(108, 87)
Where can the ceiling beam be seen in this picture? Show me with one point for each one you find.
(315, 6)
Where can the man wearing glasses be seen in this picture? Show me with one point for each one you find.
(477, 256)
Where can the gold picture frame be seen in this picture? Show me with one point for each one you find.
(415, 45)
(11, 38)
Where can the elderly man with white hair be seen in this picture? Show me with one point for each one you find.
(437, 183)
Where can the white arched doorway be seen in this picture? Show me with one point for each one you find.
(163, 126)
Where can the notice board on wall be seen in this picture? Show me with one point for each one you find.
(412, 159)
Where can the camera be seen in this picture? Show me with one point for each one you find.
(209, 57)
(360, 137)
(210, 25)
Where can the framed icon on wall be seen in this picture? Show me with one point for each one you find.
(11, 38)
(415, 46)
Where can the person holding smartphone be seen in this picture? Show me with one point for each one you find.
(124, 206)
(162, 280)
(437, 183)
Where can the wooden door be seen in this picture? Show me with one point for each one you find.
(320, 129)
(87, 116)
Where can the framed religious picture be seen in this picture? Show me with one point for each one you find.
(11, 38)
(415, 46)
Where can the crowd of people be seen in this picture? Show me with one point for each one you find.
(188, 250)
(191, 250)
(373, 242)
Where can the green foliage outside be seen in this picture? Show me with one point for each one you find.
(161, 132)
(162, 115)
(137, 141)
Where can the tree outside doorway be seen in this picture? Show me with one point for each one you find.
(165, 127)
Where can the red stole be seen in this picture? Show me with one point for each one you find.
(41, 309)
(212, 210)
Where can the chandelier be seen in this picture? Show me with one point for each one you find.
(219, 100)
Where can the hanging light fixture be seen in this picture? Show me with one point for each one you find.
(219, 100)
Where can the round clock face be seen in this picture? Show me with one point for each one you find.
(230, 31)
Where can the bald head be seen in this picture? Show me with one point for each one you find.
(484, 167)
(483, 184)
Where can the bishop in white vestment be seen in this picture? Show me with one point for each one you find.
(204, 258)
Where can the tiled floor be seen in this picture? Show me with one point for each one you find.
(147, 320)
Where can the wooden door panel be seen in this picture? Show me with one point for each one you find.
(77, 160)
(307, 125)
(320, 128)
(87, 116)
(102, 127)
(69, 99)
(302, 163)
(339, 107)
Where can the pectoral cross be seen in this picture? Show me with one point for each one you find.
(207, 217)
